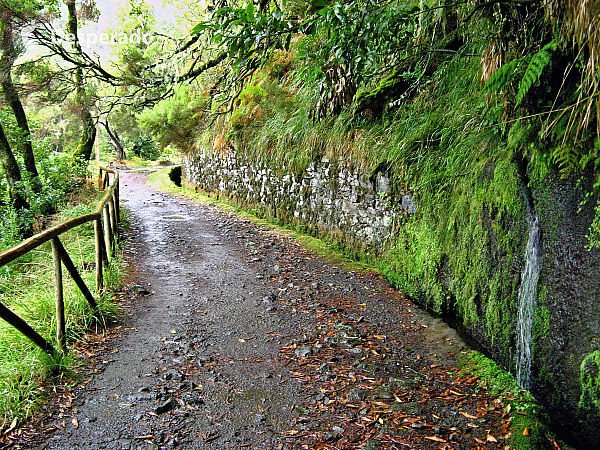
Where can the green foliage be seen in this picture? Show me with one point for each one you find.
(249, 37)
(146, 148)
(176, 120)
(590, 382)
(59, 179)
(354, 39)
(503, 76)
(538, 62)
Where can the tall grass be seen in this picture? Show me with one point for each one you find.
(27, 288)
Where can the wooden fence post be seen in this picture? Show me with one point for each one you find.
(117, 200)
(60, 303)
(105, 247)
(100, 254)
(114, 224)
(107, 231)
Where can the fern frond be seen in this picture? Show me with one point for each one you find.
(502, 77)
(534, 70)
(567, 158)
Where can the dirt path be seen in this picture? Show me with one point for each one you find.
(242, 339)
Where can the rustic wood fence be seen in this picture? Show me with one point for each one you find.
(106, 230)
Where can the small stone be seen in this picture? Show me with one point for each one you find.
(324, 368)
(166, 406)
(356, 351)
(329, 437)
(357, 394)
(303, 350)
(373, 444)
(326, 376)
(174, 375)
(192, 399)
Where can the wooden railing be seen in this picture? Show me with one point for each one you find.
(106, 230)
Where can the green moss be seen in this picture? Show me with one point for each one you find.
(527, 426)
(541, 324)
(376, 100)
(590, 382)
(459, 253)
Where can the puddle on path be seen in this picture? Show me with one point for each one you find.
(175, 218)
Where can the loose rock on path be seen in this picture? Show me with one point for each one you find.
(238, 338)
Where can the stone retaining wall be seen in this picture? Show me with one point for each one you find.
(358, 205)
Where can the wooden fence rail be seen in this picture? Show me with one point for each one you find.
(106, 231)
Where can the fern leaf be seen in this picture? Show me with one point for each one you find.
(567, 158)
(502, 76)
(534, 70)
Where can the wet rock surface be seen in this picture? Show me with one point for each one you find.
(237, 338)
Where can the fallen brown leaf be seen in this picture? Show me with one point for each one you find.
(491, 438)
(435, 438)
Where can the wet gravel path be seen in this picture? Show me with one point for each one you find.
(237, 338)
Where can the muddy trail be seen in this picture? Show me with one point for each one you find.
(235, 337)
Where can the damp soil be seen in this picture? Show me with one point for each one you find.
(236, 337)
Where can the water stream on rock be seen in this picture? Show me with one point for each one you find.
(527, 299)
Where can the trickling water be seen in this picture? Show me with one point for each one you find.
(527, 299)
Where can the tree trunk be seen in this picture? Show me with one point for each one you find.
(12, 172)
(114, 140)
(85, 149)
(11, 95)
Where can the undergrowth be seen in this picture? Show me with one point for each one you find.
(27, 288)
